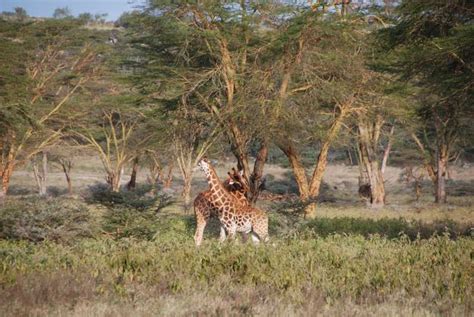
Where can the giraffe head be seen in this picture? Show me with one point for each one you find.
(236, 182)
(205, 166)
(239, 178)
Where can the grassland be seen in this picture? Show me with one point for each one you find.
(96, 255)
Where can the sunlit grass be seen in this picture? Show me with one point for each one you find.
(126, 257)
(331, 265)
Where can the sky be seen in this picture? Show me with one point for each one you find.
(45, 8)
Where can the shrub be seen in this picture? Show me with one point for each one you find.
(123, 222)
(282, 186)
(435, 273)
(140, 198)
(386, 227)
(130, 214)
(37, 219)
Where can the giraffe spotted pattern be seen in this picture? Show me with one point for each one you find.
(204, 208)
(233, 215)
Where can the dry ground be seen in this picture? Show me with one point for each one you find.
(339, 192)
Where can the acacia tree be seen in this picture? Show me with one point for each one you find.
(203, 53)
(373, 125)
(154, 161)
(21, 14)
(40, 171)
(369, 136)
(116, 140)
(323, 79)
(432, 47)
(62, 13)
(191, 138)
(43, 66)
(62, 155)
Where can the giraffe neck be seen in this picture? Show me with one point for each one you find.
(219, 194)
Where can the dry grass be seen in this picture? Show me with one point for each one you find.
(351, 261)
(329, 276)
(427, 212)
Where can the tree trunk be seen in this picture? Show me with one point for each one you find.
(349, 156)
(256, 177)
(427, 158)
(66, 165)
(309, 192)
(386, 153)
(45, 172)
(310, 211)
(377, 187)
(115, 186)
(133, 177)
(169, 176)
(7, 163)
(185, 163)
(69, 183)
(321, 163)
(301, 180)
(442, 166)
(113, 179)
(187, 192)
(298, 170)
(155, 175)
(40, 172)
(239, 149)
(6, 175)
(369, 133)
(318, 172)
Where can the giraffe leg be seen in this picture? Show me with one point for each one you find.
(232, 231)
(222, 235)
(201, 222)
(232, 236)
(260, 231)
(199, 232)
(245, 237)
(255, 238)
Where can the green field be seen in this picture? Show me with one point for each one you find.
(348, 123)
(69, 257)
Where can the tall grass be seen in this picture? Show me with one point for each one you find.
(337, 266)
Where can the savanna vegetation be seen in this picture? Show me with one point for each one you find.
(350, 124)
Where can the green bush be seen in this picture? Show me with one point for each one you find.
(282, 186)
(435, 273)
(130, 213)
(138, 199)
(37, 219)
(122, 222)
(387, 227)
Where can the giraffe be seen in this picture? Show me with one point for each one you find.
(204, 209)
(234, 216)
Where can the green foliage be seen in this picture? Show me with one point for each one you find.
(138, 199)
(436, 273)
(13, 76)
(33, 54)
(389, 228)
(132, 213)
(20, 13)
(122, 222)
(85, 17)
(432, 48)
(37, 219)
(62, 13)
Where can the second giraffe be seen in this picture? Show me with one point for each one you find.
(234, 216)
